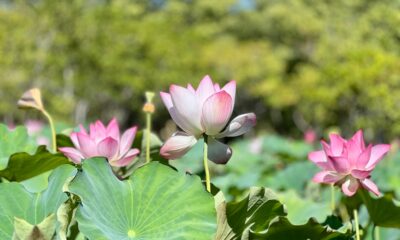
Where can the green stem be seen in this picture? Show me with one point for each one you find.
(205, 161)
(148, 133)
(355, 213)
(333, 204)
(376, 235)
(53, 130)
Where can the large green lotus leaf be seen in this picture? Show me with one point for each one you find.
(291, 149)
(385, 234)
(37, 183)
(282, 229)
(12, 141)
(296, 176)
(253, 213)
(22, 166)
(155, 203)
(383, 211)
(17, 202)
(300, 210)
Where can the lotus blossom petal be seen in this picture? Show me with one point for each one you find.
(113, 129)
(127, 140)
(127, 159)
(337, 143)
(327, 148)
(191, 89)
(72, 153)
(364, 157)
(353, 152)
(108, 147)
(218, 152)
(97, 130)
(350, 186)
(370, 186)
(377, 153)
(166, 97)
(320, 159)
(239, 125)
(82, 130)
(230, 88)
(340, 164)
(205, 90)
(358, 138)
(177, 145)
(360, 174)
(217, 110)
(74, 138)
(187, 108)
(327, 177)
(217, 88)
(87, 146)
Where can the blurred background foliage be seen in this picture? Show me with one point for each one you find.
(299, 64)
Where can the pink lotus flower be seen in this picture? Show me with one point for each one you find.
(206, 110)
(310, 136)
(103, 141)
(34, 127)
(348, 163)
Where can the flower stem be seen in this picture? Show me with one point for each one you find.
(205, 162)
(355, 213)
(376, 234)
(53, 130)
(148, 108)
(333, 204)
(148, 133)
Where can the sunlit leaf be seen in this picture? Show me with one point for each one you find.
(12, 141)
(16, 201)
(300, 210)
(155, 203)
(253, 213)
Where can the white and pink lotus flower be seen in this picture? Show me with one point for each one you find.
(103, 141)
(348, 163)
(204, 111)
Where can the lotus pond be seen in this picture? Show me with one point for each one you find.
(206, 181)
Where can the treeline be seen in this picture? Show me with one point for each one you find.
(299, 63)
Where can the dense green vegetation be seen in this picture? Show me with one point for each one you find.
(266, 193)
(299, 63)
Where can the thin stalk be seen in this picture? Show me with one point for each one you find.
(355, 213)
(148, 133)
(205, 162)
(375, 233)
(53, 130)
(333, 204)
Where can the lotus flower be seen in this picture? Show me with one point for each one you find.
(103, 141)
(310, 136)
(206, 110)
(34, 127)
(348, 163)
